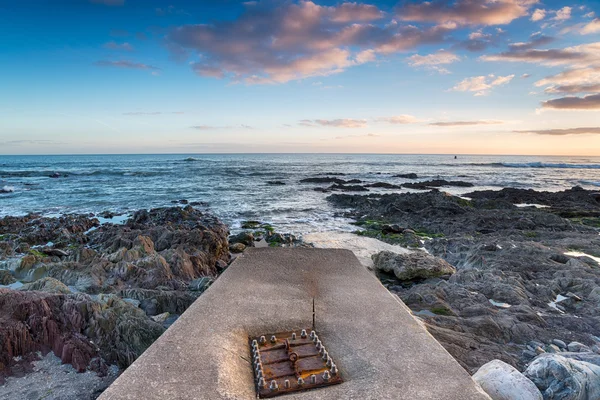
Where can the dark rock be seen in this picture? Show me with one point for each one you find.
(415, 265)
(387, 229)
(384, 185)
(275, 183)
(348, 188)
(246, 238)
(6, 277)
(436, 183)
(329, 179)
(407, 176)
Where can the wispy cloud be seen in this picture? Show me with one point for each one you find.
(211, 127)
(481, 85)
(126, 64)
(467, 123)
(589, 102)
(336, 123)
(563, 14)
(112, 45)
(592, 27)
(581, 55)
(434, 61)
(368, 135)
(562, 132)
(399, 119)
(466, 12)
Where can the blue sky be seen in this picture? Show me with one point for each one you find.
(466, 76)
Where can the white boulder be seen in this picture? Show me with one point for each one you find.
(503, 382)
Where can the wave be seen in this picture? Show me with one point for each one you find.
(550, 165)
(591, 183)
(191, 159)
(7, 189)
(65, 174)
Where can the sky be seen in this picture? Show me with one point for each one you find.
(225, 76)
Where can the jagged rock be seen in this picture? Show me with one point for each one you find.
(412, 175)
(160, 318)
(560, 378)
(48, 285)
(436, 183)
(503, 382)
(416, 265)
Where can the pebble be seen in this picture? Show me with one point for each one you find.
(577, 347)
(559, 343)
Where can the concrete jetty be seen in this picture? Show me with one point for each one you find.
(381, 351)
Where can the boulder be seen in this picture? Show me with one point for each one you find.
(415, 265)
(6, 277)
(237, 247)
(246, 238)
(577, 347)
(503, 382)
(560, 378)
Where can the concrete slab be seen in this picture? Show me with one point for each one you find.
(380, 349)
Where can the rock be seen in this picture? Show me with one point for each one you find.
(201, 284)
(48, 285)
(237, 247)
(577, 347)
(54, 252)
(503, 382)
(560, 378)
(384, 185)
(407, 176)
(275, 183)
(559, 343)
(552, 348)
(437, 183)
(161, 318)
(415, 265)
(348, 188)
(250, 224)
(595, 196)
(387, 229)
(328, 179)
(573, 296)
(539, 350)
(246, 238)
(6, 277)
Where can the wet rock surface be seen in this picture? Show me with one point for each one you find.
(515, 293)
(97, 295)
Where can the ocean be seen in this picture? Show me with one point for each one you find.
(234, 186)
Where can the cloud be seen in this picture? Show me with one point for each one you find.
(563, 14)
(126, 64)
(575, 76)
(589, 102)
(538, 14)
(210, 127)
(291, 41)
(368, 135)
(479, 41)
(525, 76)
(153, 112)
(118, 46)
(562, 132)
(399, 119)
(465, 12)
(581, 55)
(433, 61)
(467, 123)
(109, 2)
(592, 88)
(536, 40)
(481, 85)
(592, 27)
(336, 123)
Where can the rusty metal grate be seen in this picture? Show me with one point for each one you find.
(290, 362)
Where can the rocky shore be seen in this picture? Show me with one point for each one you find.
(510, 275)
(97, 295)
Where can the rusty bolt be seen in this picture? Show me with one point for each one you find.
(319, 344)
(263, 340)
(273, 339)
(325, 355)
(329, 362)
(315, 339)
(261, 383)
(322, 351)
(312, 334)
(313, 379)
(334, 369)
(326, 376)
(300, 381)
(255, 343)
(274, 386)
(294, 336)
(303, 334)
(287, 384)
